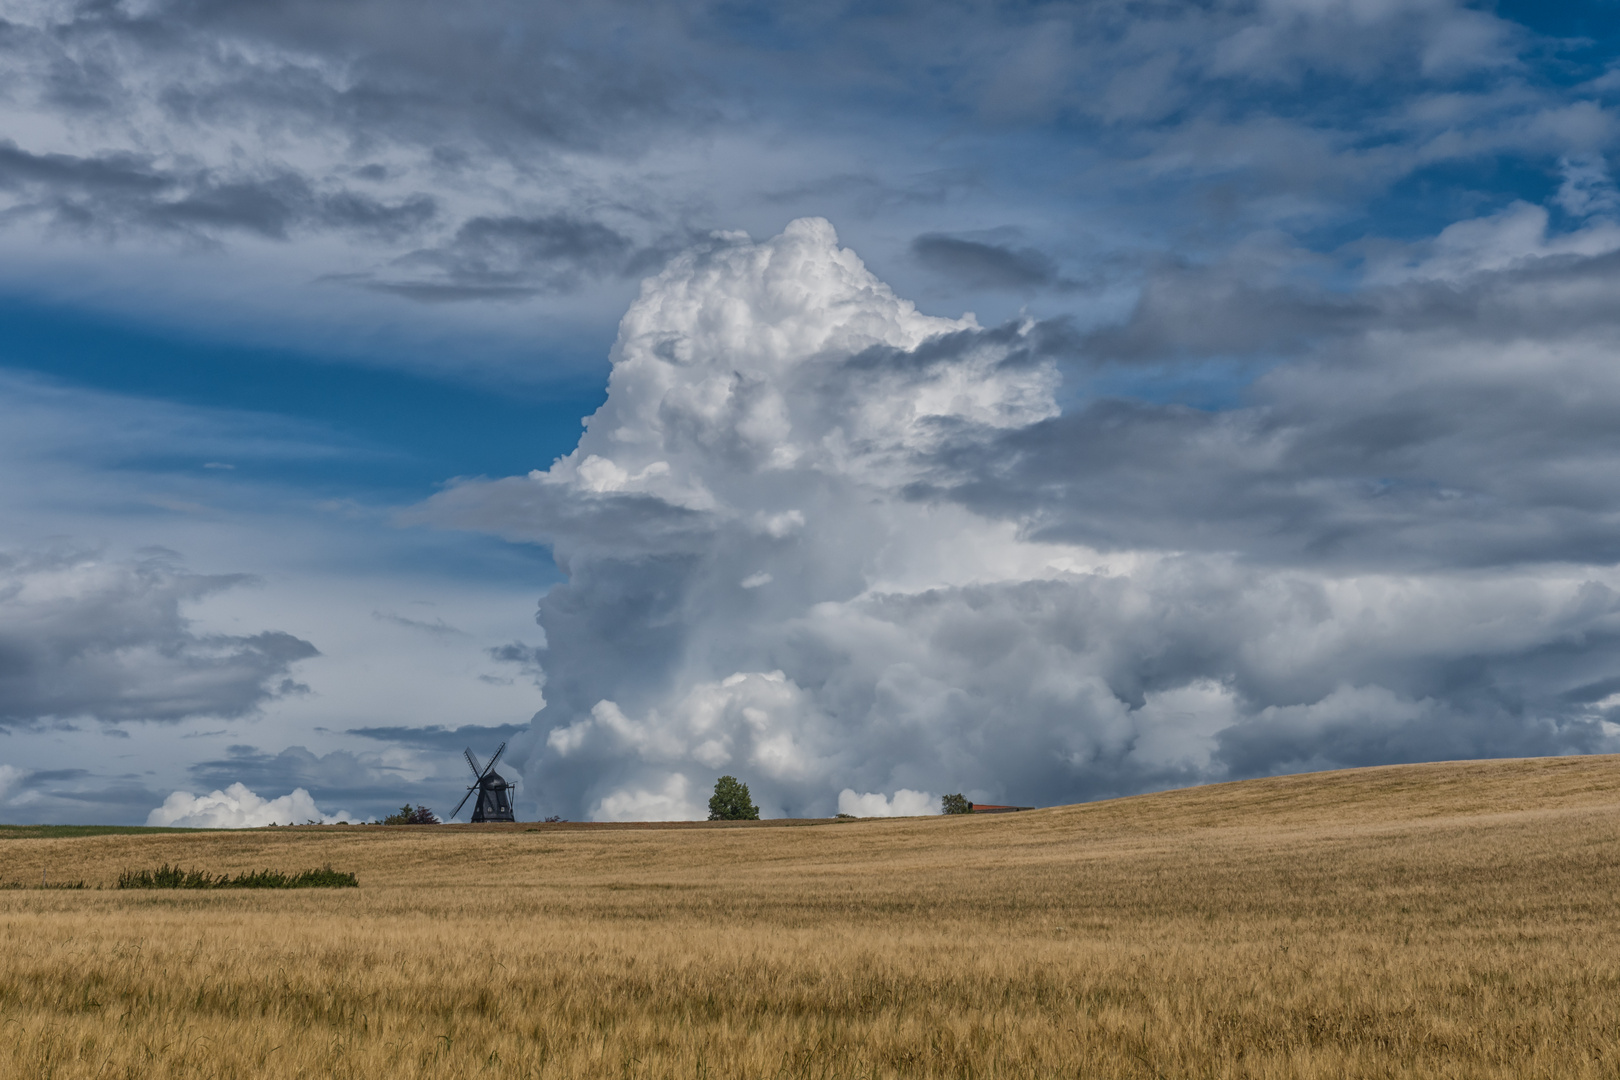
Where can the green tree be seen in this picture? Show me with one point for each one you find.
(730, 801)
(954, 804)
(412, 815)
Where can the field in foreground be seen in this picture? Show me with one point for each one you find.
(1454, 920)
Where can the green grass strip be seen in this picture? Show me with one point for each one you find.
(173, 877)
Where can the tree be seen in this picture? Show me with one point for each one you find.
(412, 815)
(730, 801)
(954, 804)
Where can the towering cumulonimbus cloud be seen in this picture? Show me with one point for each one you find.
(776, 570)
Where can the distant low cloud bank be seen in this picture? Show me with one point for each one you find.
(905, 803)
(238, 808)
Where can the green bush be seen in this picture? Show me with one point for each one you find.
(173, 877)
(954, 804)
(412, 815)
(731, 802)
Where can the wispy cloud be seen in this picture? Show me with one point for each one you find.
(437, 627)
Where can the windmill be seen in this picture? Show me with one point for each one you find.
(492, 804)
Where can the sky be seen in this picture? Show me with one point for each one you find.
(1039, 401)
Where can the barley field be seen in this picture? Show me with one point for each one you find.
(1453, 920)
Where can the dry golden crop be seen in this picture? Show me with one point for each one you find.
(1450, 920)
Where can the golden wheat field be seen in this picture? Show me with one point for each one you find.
(1454, 920)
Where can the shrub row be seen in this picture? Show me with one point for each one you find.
(173, 877)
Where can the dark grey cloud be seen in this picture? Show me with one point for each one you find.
(554, 71)
(117, 192)
(357, 212)
(875, 194)
(109, 173)
(84, 637)
(1593, 692)
(1381, 732)
(980, 265)
(1218, 311)
(631, 516)
(73, 796)
(1420, 425)
(512, 257)
(47, 776)
(356, 782)
(438, 292)
(438, 627)
(530, 155)
(1277, 100)
(529, 660)
(542, 71)
(1229, 309)
(589, 245)
(440, 739)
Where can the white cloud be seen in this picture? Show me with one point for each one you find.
(670, 801)
(238, 808)
(9, 775)
(1178, 728)
(769, 404)
(905, 803)
(1505, 240)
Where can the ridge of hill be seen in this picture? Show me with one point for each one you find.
(1371, 794)
(1308, 807)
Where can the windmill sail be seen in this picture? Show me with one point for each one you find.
(463, 802)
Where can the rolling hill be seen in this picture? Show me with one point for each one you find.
(1455, 919)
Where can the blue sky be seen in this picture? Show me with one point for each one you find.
(408, 430)
(1310, 299)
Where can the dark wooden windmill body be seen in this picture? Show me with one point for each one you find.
(493, 803)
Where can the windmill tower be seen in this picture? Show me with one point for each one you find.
(492, 803)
